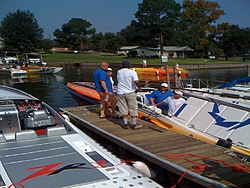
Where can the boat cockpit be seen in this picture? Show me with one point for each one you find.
(17, 115)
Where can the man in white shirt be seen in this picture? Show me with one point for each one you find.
(128, 83)
(174, 102)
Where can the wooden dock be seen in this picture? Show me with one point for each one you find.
(154, 143)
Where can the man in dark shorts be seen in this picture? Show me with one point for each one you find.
(104, 88)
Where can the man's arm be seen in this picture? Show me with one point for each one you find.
(103, 84)
(138, 84)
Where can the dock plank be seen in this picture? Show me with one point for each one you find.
(154, 143)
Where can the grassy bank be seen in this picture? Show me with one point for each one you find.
(99, 57)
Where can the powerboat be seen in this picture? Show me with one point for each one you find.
(86, 91)
(205, 120)
(16, 72)
(40, 147)
(235, 93)
(161, 71)
(199, 118)
(41, 69)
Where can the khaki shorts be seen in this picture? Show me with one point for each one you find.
(127, 102)
(112, 98)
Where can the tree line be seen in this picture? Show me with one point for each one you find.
(157, 23)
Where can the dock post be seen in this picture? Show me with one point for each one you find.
(248, 70)
(167, 77)
(175, 77)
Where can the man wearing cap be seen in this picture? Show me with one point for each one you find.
(159, 95)
(128, 83)
(105, 90)
(174, 102)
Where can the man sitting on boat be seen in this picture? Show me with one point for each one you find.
(174, 102)
(159, 95)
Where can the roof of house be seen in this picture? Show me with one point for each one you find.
(165, 48)
(176, 48)
(128, 47)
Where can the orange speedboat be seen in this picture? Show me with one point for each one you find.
(86, 91)
(160, 71)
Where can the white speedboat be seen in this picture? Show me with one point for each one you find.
(40, 148)
(15, 72)
(235, 93)
(42, 69)
(205, 120)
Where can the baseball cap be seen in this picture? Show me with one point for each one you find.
(164, 85)
(178, 92)
(109, 69)
(125, 64)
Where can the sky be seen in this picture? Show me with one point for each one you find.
(106, 15)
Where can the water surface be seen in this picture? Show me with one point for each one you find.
(50, 88)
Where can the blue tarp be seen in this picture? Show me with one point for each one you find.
(234, 82)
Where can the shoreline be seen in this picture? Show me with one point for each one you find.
(188, 67)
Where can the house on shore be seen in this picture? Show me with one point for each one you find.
(169, 51)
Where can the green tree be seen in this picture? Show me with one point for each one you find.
(154, 19)
(20, 31)
(137, 34)
(234, 40)
(96, 42)
(113, 42)
(74, 34)
(46, 45)
(199, 18)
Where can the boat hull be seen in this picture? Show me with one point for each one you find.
(42, 70)
(161, 71)
(40, 148)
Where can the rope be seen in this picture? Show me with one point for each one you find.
(203, 166)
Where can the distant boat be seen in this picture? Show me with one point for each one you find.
(160, 71)
(41, 69)
(15, 72)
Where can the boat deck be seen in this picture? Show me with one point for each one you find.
(170, 150)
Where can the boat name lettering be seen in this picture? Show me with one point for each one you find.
(47, 170)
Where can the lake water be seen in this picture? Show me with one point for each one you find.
(50, 88)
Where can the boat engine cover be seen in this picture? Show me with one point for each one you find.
(39, 118)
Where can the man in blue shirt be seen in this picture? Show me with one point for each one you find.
(104, 88)
(159, 95)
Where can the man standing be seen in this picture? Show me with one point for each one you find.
(126, 93)
(159, 95)
(104, 88)
(144, 63)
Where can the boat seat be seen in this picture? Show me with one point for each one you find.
(147, 100)
(55, 131)
(25, 134)
(2, 138)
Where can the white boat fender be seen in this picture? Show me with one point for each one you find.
(143, 168)
(65, 117)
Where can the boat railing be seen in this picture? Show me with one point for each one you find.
(199, 83)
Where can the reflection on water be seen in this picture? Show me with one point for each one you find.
(50, 88)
